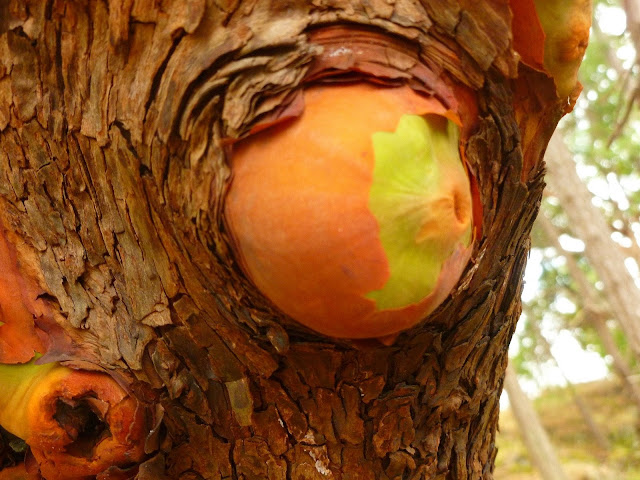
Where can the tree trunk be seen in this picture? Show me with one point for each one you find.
(595, 314)
(542, 453)
(117, 118)
(632, 9)
(620, 365)
(596, 432)
(602, 252)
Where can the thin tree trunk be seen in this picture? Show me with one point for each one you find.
(542, 453)
(620, 365)
(632, 9)
(589, 225)
(585, 412)
(632, 250)
(594, 312)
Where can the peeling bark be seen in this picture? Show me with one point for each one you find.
(116, 119)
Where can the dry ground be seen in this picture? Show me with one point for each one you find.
(581, 458)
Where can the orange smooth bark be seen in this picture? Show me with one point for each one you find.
(19, 337)
(294, 194)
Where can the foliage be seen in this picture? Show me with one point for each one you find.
(603, 129)
(603, 133)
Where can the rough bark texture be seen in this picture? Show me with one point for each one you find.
(115, 121)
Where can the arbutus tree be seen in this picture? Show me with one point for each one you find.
(159, 351)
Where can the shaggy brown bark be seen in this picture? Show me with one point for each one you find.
(115, 121)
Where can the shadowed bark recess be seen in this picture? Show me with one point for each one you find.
(116, 121)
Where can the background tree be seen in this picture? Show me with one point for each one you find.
(116, 121)
(572, 299)
(539, 446)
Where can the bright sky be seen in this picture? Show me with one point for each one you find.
(612, 20)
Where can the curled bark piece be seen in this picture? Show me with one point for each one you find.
(76, 423)
(352, 53)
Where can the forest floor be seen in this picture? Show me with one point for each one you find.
(579, 453)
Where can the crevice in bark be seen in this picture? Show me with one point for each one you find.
(157, 78)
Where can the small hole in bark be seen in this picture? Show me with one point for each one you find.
(83, 425)
(47, 297)
(145, 171)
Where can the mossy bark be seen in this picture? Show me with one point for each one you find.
(115, 121)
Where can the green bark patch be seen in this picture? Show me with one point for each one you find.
(420, 198)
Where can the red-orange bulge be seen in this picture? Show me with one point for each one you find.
(301, 215)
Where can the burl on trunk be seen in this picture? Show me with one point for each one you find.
(268, 239)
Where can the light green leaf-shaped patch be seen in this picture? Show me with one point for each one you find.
(420, 197)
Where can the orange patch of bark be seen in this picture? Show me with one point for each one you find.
(19, 336)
